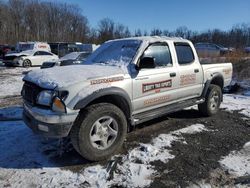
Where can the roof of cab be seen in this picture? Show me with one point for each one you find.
(155, 39)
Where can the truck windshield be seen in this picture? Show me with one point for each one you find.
(115, 53)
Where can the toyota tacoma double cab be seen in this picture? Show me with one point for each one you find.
(123, 83)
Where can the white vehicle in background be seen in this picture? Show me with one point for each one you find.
(73, 58)
(24, 46)
(29, 58)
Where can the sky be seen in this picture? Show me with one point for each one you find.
(197, 15)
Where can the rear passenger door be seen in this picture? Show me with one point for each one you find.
(190, 71)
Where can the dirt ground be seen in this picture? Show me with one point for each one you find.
(197, 160)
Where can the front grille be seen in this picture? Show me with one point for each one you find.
(8, 58)
(30, 92)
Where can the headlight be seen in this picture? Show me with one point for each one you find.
(45, 97)
(17, 59)
(58, 105)
(77, 62)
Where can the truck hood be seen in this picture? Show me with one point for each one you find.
(68, 75)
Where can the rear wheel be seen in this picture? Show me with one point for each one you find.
(27, 63)
(99, 131)
(212, 101)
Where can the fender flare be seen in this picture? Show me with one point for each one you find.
(209, 82)
(115, 91)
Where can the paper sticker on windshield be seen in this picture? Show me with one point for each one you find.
(156, 86)
(106, 80)
(187, 79)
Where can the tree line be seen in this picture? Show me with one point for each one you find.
(35, 20)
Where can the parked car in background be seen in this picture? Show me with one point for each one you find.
(72, 58)
(24, 46)
(29, 58)
(212, 50)
(247, 50)
(63, 48)
(4, 49)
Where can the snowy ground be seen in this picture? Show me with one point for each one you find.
(23, 159)
(28, 160)
(11, 80)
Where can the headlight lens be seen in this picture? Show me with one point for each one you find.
(58, 105)
(17, 59)
(45, 97)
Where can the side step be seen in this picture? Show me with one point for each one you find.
(158, 112)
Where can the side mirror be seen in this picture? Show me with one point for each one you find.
(147, 63)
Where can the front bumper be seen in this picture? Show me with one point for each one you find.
(47, 122)
(11, 63)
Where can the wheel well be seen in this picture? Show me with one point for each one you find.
(218, 80)
(116, 100)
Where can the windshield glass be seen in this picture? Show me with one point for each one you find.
(115, 53)
(72, 55)
(24, 47)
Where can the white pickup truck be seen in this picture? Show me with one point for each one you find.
(123, 83)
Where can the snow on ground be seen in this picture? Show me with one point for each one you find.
(11, 113)
(238, 162)
(237, 102)
(23, 162)
(11, 80)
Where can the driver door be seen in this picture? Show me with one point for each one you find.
(154, 87)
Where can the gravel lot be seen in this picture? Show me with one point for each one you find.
(182, 149)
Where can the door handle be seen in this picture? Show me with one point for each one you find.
(172, 74)
(196, 70)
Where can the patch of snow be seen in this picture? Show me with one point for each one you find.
(238, 162)
(11, 113)
(236, 102)
(201, 184)
(21, 147)
(193, 129)
(11, 80)
(96, 176)
(68, 75)
(133, 174)
(157, 149)
(148, 153)
(23, 163)
(11, 86)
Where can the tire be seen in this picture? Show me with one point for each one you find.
(99, 131)
(27, 63)
(212, 101)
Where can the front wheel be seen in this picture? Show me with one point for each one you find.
(99, 131)
(27, 63)
(212, 101)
